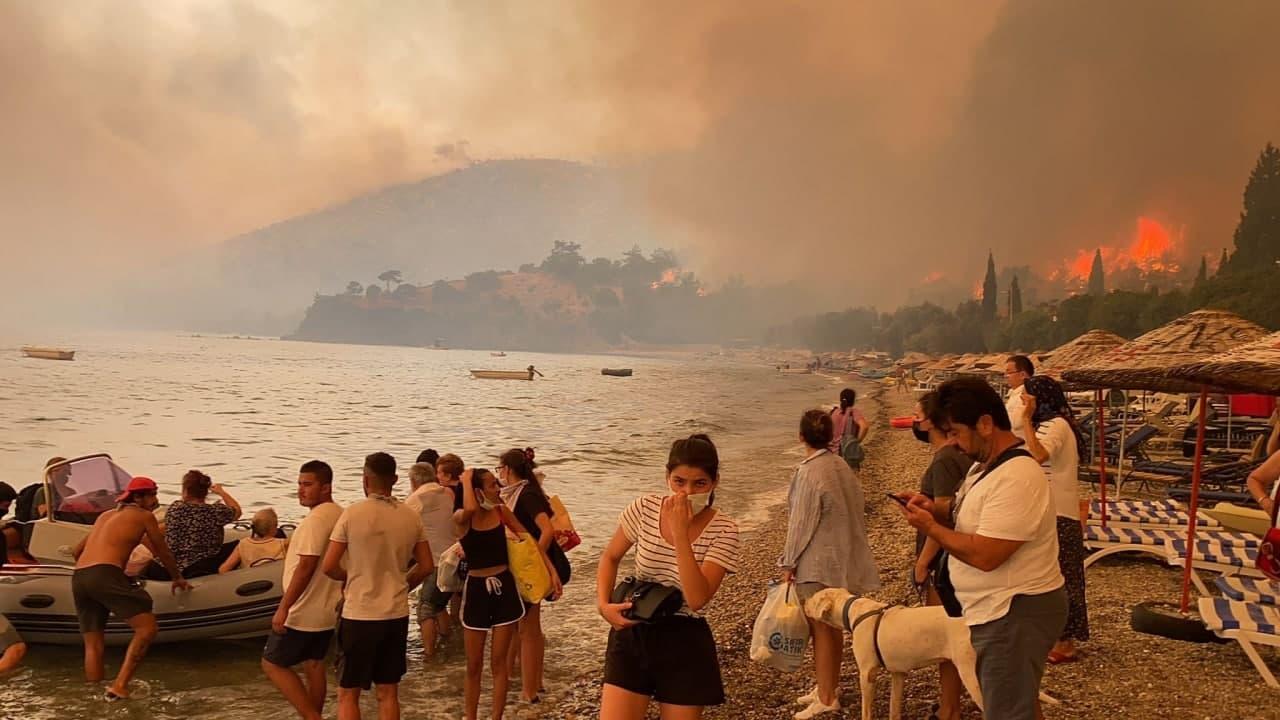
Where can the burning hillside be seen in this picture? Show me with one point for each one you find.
(1151, 257)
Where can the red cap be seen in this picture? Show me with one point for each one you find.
(138, 484)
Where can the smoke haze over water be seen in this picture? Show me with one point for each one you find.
(860, 145)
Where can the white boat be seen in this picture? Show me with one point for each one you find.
(497, 354)
(503, 374)
(47, 353)
(37, 599)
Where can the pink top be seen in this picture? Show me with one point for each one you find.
(838, 420)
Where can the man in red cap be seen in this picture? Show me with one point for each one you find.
(100, 587)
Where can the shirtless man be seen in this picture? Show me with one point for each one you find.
(100, 586)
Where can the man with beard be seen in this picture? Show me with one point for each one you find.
(100, 588)
(1003, 551)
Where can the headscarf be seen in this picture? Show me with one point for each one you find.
(1051, 402)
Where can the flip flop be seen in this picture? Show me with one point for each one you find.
(1057, 658)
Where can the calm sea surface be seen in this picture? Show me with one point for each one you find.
(249, 412)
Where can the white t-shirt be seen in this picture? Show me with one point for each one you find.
(317, 607)
(380, 533)
(1063, 466)
(434, 504)
(1011, 503)
(656, 558)
(1014, 405)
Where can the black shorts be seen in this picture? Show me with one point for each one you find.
(673, 661)
(296, 646)
(102, 590)
(372, 652)
(489, 602)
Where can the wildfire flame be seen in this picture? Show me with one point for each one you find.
(669, 277)
(1151, 251)
(932, 277)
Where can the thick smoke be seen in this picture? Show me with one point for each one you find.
(861, 146)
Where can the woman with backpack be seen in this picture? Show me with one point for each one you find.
(849, 429)
(522, 492)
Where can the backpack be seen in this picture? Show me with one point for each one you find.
(850, 446)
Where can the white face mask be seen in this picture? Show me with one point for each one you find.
(700, 502)
(485, 504)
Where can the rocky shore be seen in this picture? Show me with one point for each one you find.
(1122, 673)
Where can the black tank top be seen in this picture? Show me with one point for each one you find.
(485, 548)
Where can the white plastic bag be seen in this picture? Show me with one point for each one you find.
(781, 631)
(447, 579)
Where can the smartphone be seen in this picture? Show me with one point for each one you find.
(897, 499)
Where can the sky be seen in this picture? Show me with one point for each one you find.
(861, 146)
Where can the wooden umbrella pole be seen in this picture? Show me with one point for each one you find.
(1195, 502)
(1102, 458)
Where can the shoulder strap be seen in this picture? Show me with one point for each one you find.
(1002, 458)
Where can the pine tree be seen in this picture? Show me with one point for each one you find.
(1257, 237)
(1097, 280)
(1203, 274)
(1015, 298)
(990, 297)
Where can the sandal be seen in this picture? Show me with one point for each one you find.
(1057, 658)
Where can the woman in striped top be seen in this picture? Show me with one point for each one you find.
(681, 541)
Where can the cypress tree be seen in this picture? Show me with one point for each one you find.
(1015, 298)
(1203, 274)
(1097, 281)
(990, 296)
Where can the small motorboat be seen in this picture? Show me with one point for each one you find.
(616, 372)
(497, 354)
(37, 599)
(526, 374)
(47, 353)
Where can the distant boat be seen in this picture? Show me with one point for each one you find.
(616, 372)
(795, 371)
(45, 353)
(497, 354)
(526, 374)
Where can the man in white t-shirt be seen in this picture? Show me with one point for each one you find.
(302, 627)
(433, 500)
(1016, 371)
(1003, 551)
(380, 537)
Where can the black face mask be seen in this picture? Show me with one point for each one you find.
(921, 435)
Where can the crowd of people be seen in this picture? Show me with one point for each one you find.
(999, 543)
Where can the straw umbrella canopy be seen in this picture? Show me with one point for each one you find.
(1144, 363)
(1250, 368)
(1079, 352)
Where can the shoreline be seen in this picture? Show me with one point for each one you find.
(1122, 673)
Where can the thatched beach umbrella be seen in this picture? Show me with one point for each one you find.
(1146, 364)
(1250, 368)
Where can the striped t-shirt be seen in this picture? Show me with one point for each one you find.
(656, 558)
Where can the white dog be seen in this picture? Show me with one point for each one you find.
(898, 639)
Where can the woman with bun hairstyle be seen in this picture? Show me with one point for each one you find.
(490, 599)
(522, 492)
(681, 541)
(826, 547)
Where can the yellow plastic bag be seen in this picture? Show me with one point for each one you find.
(527, 566)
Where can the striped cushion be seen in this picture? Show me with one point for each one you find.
(1136, 505)
(1213, 553)
(1221, 615)
(1254, 590)
(1150, 517)
(1161, 536)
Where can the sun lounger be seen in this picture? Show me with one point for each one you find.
(1146, 513)
(1247, 624)
(1209, 555)
(1097, 536)
(1248, 589)
(1181, 492)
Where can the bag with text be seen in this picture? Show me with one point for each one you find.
(781, 632)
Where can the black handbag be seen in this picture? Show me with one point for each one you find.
(650, 601)
(942, 577)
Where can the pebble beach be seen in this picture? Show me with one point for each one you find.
(1121, 673)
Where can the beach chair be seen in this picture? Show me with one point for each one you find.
(1247, 589)
(1146, 513)
(1210, 553)
(1247, 624)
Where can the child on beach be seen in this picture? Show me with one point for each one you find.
(262, 546)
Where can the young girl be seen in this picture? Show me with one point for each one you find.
(490, 600)
(681, 541)
(262, 545)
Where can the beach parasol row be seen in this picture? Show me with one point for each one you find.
(1081, 351)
